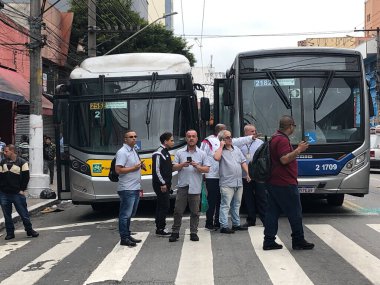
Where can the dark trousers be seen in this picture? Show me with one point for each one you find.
(183, 197)
(255, 198)
(19, 201)
(283, 199)
(213, 200)
(162, 206)
(49, 167)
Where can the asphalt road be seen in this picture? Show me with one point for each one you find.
(80, 246)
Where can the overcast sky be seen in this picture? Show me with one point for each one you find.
(260, 17)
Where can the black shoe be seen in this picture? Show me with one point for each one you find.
(302, 245)
(194, 237)
(217, 226)
(209, 227)
(174, 237)
(10, 236)
(127, 242)
(32, 233)
(239, 228)
(272, 246)
(249, 224)
(227, 231)
(135, 240)
(162, 233)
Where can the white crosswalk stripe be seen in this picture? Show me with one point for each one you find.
(117, 262)
(376, 227)
(36, 269)
(196, 260)
(196, 265)
(10, 247)
(362, 260)
(280, 265)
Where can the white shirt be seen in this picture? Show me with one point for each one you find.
(249, 150)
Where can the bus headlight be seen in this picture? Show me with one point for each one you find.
(80, 166)
(355, 163)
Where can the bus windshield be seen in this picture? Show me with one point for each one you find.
(337, 117)
(99, 127)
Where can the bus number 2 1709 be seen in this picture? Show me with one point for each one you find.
(324, 167)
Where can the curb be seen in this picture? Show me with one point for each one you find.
(32, 210)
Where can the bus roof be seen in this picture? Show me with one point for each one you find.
(132, 64)
(299, 50)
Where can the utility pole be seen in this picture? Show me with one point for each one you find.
(91, 28)
(38, 180)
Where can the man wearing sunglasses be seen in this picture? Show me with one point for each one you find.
(128, 167)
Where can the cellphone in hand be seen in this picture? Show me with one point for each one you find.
(189, 159)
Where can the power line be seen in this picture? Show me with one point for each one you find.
(268, 35)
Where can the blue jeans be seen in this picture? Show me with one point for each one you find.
(230, 202)
(284, 199)
(19, 200)
(129, 201)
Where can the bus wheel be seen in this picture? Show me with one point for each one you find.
(335, 199)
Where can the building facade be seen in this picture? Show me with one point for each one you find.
(371, 16)
(15, 67)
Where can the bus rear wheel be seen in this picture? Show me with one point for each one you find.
(335, 199)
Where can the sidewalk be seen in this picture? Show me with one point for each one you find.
(34, 205)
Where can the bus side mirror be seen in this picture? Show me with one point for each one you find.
(370, 101)
(228, 92)
(205, 109)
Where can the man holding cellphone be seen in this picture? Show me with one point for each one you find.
(191, 163)
(128, 167)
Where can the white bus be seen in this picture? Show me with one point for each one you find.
(149, 93)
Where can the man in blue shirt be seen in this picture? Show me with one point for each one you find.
(128, 167)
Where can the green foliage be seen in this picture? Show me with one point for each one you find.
(118, 22)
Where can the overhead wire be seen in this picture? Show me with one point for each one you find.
(201, 41)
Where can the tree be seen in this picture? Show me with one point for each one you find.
(116, 22)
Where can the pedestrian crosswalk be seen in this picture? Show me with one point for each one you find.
(197, 261)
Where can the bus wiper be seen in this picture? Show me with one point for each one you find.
(149, 105)
(315, 111)
(324, 90)
(279, 90)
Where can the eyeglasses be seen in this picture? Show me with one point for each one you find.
(227, 138)
(130, 137)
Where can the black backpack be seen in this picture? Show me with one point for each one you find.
(112, 175)
(260, 166)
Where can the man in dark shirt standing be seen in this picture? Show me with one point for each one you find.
(283, 193)
(162, 181)
(14, 179)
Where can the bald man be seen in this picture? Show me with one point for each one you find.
(283, 193)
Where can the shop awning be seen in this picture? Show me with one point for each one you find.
(14, 87)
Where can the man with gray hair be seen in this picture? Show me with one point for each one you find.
(210, 145)
(254, 192)
(231, 162)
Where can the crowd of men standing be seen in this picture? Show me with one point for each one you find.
(222, 160)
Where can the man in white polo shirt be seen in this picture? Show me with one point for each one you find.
(191, 163)
(128, 167)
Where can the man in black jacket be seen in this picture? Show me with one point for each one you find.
(162, 181)
(14, 178)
